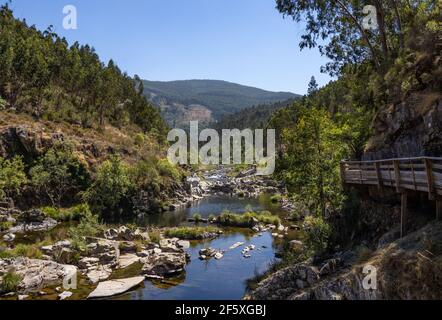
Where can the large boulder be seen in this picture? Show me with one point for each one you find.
(164, 263)
(107, 251)
(37, 274)
(115, 287)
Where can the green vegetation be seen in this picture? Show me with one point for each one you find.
(10, 282)
(220, 97)
(197, 218)
(276, 198)
(155, 236)
(166, 169)
(59, 173)
(255, 117)
(31, 251)
(248, 219)
(317, 233)
(294, 216)
(89, 226)
(190, 233)
(5, 225)
(69, 214)
(42, 75)
(12, 176)
(111, 186)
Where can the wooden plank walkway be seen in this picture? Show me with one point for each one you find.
(406, 175)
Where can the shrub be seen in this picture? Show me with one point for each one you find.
(197, 218)
(166, 169)
(31, 251)
(12, 176)
(89, 226)
(276, 198)
(155, 236)
(139, 139)
(59, 172)
(189, 233)
(2, 104)
(294, 216)
(11, 282)
(71, 214)
(248, 219)
(5, 225)
(111, 185)
(317, 233)
(144, 174)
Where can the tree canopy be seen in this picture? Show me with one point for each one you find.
(43, 75)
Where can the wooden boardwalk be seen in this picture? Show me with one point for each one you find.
(406, 175)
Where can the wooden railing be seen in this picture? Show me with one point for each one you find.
(417, 174)
(423, 174)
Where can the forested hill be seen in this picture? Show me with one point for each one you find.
(42, 75)
(206, 100)
(256, 117)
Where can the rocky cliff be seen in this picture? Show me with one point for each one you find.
(409, 268)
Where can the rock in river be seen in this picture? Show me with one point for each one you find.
(164, 263)
(37, 274)
(115, 287)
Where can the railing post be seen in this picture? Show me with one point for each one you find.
(430, 179)
(379, 175)
(397, 176)
(343, 179)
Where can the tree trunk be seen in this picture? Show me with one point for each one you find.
(399, 24)
(382, 32)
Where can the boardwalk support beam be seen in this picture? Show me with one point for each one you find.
(403, 213)
(438, 209)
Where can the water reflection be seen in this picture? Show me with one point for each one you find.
(214, 279)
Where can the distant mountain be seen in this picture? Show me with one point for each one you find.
(206, 100)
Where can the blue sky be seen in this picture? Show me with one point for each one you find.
(242, 41)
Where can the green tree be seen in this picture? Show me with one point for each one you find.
(312, 86)
(12, 176)
(57, 173)
(111, 185)
(310, 164)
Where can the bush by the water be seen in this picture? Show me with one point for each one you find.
(12, 176)
(197, 217)
(189, 233)
(10, 282)
(276, 198)
(248, 219)
(59, 173)
(70, 214)
(89, 226)
(111, 186)
(31, 251)
(317, 233)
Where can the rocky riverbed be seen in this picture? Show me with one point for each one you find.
(116, 260)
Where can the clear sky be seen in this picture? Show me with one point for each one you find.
(242, 41)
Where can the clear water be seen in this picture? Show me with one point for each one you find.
(214, 279)
(202, 280)
(213, 205)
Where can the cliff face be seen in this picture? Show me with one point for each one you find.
(409, 268)
(410, 128)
